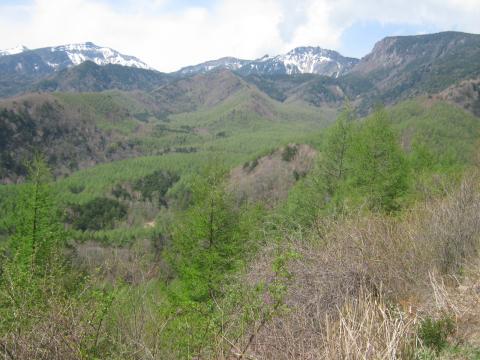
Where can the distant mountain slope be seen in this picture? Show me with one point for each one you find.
(203, 90)
(302, 60)
(229, 63)
(404, 66)
(465, 94)
(90, 77)
(398, 68)
(50, 59)
(281, 86)
(39, 123)
(71, 130)
(12, 51)
(76, 130)
(21, 67)
(448, 133)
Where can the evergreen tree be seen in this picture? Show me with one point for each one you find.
(378, 166)
(338, 140)
(205, 241)
(33, 254)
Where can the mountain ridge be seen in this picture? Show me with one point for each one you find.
(397, 68)
(300, 60)
(67, 55)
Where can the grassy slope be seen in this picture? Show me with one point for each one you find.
(247, 134)
(250, 125)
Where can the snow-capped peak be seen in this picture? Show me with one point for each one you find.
(48, 59)
(78, 53)
(305, 59)
(308, 60)
(302, 60)
(12, 51)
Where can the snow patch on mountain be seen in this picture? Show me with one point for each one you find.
(229, 63)
(302, 60)
(79, 53)
(12, 51)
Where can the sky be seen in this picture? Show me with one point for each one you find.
(170, 34)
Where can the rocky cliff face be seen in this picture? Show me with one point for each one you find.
(422, 51)
(403, 66)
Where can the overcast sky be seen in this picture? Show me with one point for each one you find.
(169, 34)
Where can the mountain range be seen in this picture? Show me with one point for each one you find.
(396, 68)
(301, 60)
(98, 95)
(20, 67)
(26, 61)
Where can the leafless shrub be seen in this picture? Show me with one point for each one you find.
(362, 266)
(452, 226)
(133, 265)
(135, 324)
(67, 331)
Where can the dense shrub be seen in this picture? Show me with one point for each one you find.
(156, 185)
(121, 193)
(99, 213)
(76, 188)
(434, 333)
(289, 153)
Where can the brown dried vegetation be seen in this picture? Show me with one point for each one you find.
(360, 289)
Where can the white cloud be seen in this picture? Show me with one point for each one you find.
(168, 39)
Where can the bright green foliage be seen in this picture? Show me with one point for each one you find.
(37, 231)
(205, 241)
(324, 186)
(335, 150)
(209, 242)
(38, 290)
(33, 254)
(421, 156)
(449, 132)
(378, 166)
(207, 237)
(360, 163)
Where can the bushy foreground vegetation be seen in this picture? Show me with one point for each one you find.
(373, 254)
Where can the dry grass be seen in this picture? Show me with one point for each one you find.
(271, 178)
(68, 330)
(461, 301)
(132, 265)
(369, 328)
(360, 290)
